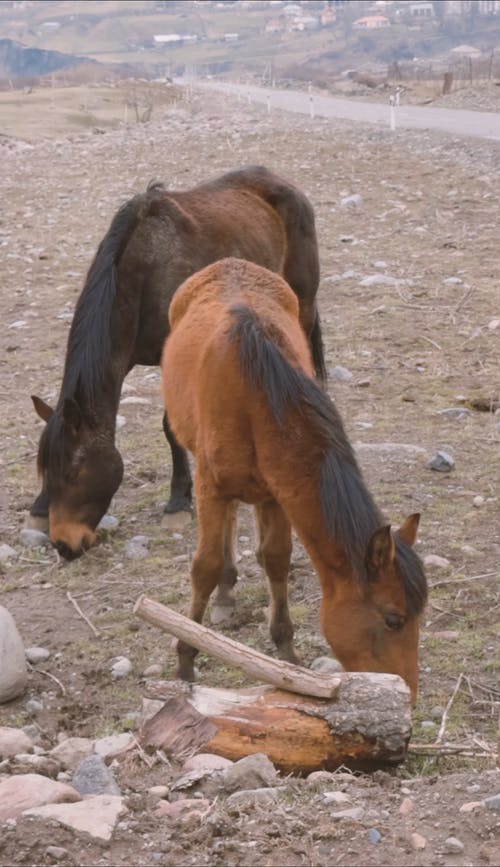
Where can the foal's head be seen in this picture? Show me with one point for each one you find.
(81, 470)
(373, 624)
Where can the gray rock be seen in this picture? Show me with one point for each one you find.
(108, 523)
(436, 560)
(33, 706)
(453, 844)
(493, 802)
(249, 798)
(13, 669)
(72, 751)
(136, 548)
(353, 201)
(13, 741)
(7, 553)
(112, 745)
(251, 772)
(355, 813)
(374, 836)
(120, 667)
(58, 853)
(379, 280)
(442, 462)
(36, 654)
(33, 538)
(342, 374)
(92, 777)
(326, 665)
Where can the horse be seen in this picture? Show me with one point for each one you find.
(239, 389)
(155, 241)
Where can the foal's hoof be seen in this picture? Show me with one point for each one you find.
(37, 522)
(221, 614)
(176, 520)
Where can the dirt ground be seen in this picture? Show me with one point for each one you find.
(423, 350)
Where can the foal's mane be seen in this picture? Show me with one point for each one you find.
(348, 509)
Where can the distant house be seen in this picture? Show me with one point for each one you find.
(276, 25)
(174, 38)
(327, 17)
(304, 22)
(371, 22)
(422, 10)
(51, 25)
(231, 37)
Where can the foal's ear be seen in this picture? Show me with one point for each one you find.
(381, 550)
(42, 409)
(408, 529)
(72, 415)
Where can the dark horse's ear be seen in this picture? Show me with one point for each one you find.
(381, 550)
(41, 408)
(408, 529)
(72, 415)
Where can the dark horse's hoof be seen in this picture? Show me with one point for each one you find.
(37, 522)
(178, 503)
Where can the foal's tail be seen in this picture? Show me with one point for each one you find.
(89, 338)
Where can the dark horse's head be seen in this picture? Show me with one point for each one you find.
(81, 471)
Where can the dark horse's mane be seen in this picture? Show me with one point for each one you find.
(89, 344)
(349, 511)
(89, 340)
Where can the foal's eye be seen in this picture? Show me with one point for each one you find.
(394, 621)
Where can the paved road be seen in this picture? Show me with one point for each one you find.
(481, 124)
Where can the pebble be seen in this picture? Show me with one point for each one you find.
(342, 374)
(478, 502)
(13, 741)
(374, 836)
(355, 813)
(33, 706)
(108, 523)
(251, 772)
(136, 548)
(442, 462)
(206, 762)
(335, 798)
(453, 844)
(470, 806)
(56, 852)
(406, 806)
(417, 841)
(158, 792)
(120, 666)
(379, 280)
(493, 802)
(112, 745)
(7, 553)
(353, 201)
(436, 560)
(326, 665)
(93, 777)
(13, 669)
(154, 670)
(33, 538)
(70, 752)
(36, 654)
(183, 809)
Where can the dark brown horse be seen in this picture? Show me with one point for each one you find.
(155, 241)
(240, 394)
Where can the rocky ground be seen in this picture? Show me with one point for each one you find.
(407, 224)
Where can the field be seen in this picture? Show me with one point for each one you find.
(410, 307)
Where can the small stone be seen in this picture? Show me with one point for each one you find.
(158, 792)
(379, 280)
(36, 654)
(442, 462)
(417, 842)
(120, 666)
(353, 201)
(470, 806)
(187, 808)
(335, 798)
(251, 772)
(33, 538)
(56, 852)
(136, 548)
(92, 777)
(206, 762)
(72, 751)
(446, 634)
(493, 324)
(493, 802)
(437, 711)
(342, 374)
(154, 670)
(436, 560)
(355, 813)
(453, 844)
(33, 706)
(478, 502)
(249, 798)
(326, 665)
(318, 778)
(374, 836)
(406, 806)
(108, 523)
(113, 744)
(428, 724)
(13, 741)
(7, 553)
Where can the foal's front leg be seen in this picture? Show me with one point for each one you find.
(207, 568)
(274, 554)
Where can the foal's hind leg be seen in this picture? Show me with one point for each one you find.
(181, 485)
(207, 569)
(274, 553)
(223, 604)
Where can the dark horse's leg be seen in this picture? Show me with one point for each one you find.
(181, 486)
(39, 513)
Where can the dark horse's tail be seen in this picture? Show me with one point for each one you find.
(317, 349)
(89, 337)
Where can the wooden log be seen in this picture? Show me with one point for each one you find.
(281, 674)
(366, 726)
(358, 719)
